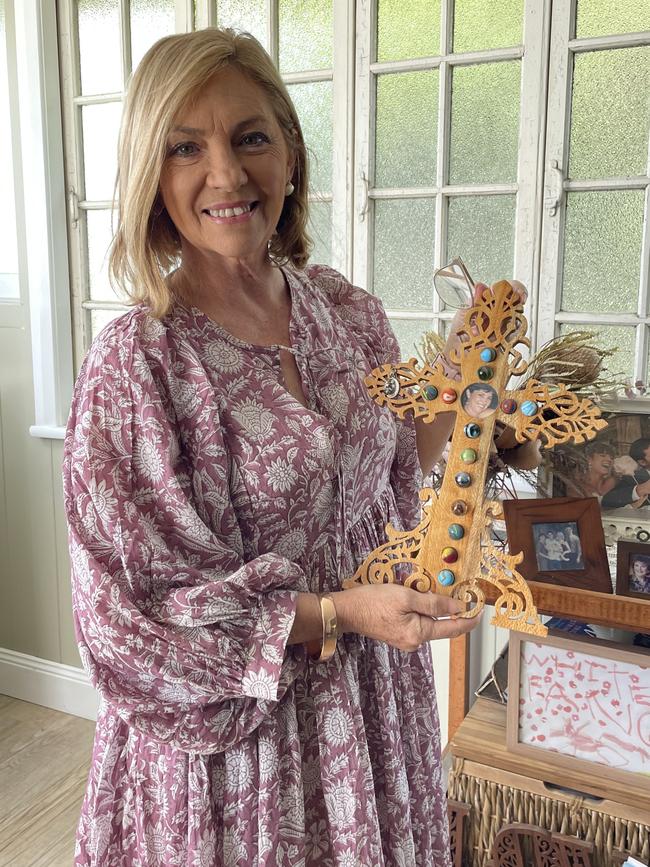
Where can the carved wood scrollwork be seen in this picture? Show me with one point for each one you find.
(450, 551)
(513, 842)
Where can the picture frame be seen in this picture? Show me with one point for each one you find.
(580, 706)
(562, 541)
(633, 569)
(612, 465)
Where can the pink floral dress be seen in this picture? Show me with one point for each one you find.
(201, 498)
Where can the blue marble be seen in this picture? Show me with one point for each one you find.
(529, 407)
(446, 577)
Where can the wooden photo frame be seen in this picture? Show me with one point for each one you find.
(633, 570)
(562, 541)
(615, 466)
(580, 705)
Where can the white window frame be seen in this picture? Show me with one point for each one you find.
(45, 272)
(73, 101)
(10, 287)
(43, 249)
(532, 54)
(556, 185)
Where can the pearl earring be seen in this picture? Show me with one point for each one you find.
(289, 188)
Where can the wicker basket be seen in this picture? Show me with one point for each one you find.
(498, 797)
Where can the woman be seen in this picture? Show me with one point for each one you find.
(542, 552)
(639, 581)
(479, 401)
(224, 467)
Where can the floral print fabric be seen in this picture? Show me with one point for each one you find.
(201, 497)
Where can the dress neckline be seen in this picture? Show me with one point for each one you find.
(207, 323)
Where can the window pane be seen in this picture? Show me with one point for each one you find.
(8, 248)
(602, 251)
(484, 123)
(404, 251)
(611, 113)
(479, 24)
(150, 21)
(249, 16)
(602, 17)
(314, 106)
(611, 337)
(101, 124)
(481, 230)
(320, 229)
(99, 46)
(408, 34)
(100, 318)
(300, 17)
(407, 129)
(99, 238)
(409, 333)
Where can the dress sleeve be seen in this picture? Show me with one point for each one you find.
(365, 314)
(186, 640)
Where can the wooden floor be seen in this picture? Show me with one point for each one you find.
(44, 760)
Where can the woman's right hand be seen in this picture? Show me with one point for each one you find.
(401, 617)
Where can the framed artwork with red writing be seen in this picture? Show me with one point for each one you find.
(580, 704)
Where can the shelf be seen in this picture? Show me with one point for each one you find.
(481, 739)
(604, 609)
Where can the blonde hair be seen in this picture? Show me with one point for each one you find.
(172, 73)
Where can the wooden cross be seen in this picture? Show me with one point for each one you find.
(451, 548)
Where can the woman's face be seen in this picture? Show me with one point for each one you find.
(601, 463)
(227, 165)
(639, 569)
(479, 401)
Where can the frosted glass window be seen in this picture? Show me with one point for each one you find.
(407, 129)
(408, 30)
(479, 25)
(481, 230)
(409, 333)
(611, 337)
(8, 248)
(150, 21)
(602, 252)
(100, 318)
(305, 34)
(611, 113)
(604, 17)
(404, 251)
(100, 234)
(99, 46)
(320, 230)
(249, 16)
(101, 124)
(313, 103)
(484, 123)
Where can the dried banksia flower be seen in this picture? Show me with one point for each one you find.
(574, 361)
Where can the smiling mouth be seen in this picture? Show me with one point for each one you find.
(231, 212)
